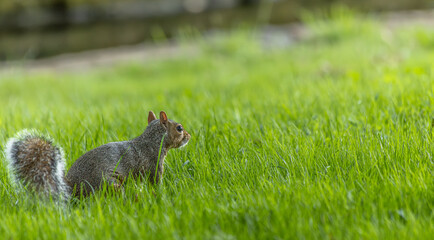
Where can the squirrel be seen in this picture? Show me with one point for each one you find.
(37, 162)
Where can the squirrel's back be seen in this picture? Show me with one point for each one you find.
(35, 161)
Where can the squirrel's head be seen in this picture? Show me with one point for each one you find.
(176, 135)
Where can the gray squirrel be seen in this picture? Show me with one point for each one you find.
(35, 161)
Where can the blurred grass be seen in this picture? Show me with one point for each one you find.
(328, 138)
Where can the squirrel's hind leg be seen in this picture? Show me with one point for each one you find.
(116, 182)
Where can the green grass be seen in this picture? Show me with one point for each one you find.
(329, 138)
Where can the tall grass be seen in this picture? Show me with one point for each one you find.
(323, 139)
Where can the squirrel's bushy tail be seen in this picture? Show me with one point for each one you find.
(37, 162)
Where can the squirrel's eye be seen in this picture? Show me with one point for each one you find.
(179, 128)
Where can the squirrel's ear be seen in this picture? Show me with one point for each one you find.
(163, 117)
(151, 117)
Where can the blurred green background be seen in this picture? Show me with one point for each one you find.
(42, 28)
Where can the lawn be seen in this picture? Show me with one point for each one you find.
(327, 138)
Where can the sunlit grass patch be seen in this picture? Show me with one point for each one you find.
(329, 138)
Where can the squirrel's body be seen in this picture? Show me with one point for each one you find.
(38, 163)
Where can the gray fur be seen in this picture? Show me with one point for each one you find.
(112, 163)
(115, 161)
(16, 165)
